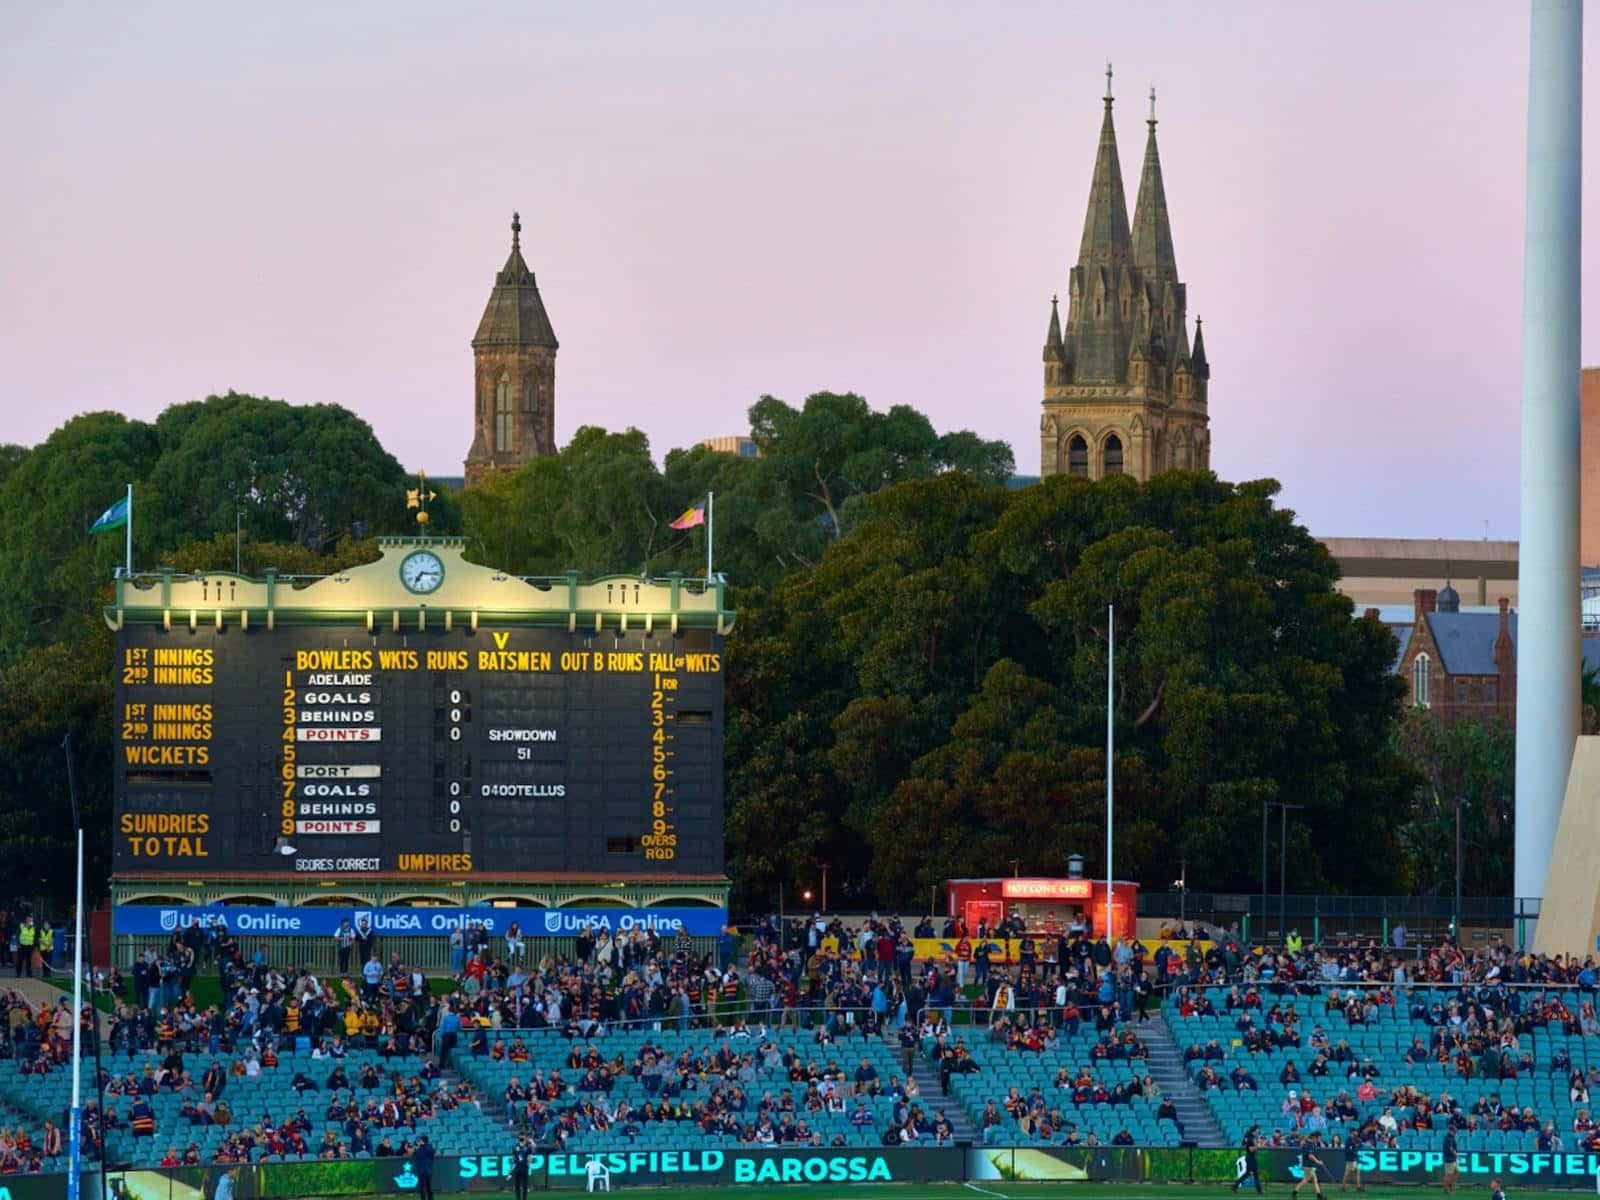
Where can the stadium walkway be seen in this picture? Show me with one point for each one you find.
(927, 1076)
(1166, 1065)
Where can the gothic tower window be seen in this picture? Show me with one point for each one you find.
(504, 419)
(1419, 681)
(1113, 456)
(530, 393)
(1078, 456)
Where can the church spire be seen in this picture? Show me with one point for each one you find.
(1152, 232)
(1105, 225)
(1198, 355)
(1052, 339)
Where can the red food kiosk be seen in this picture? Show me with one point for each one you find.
(1045, 905)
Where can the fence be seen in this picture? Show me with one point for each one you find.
(1269, 915)
(429, 952)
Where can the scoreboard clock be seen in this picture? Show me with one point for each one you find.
(419, 715)
(422, 572)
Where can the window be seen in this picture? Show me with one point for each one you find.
(1113, 456)
(530, 393)
(1461, 691)
(1419, 681)
(1077, 456)
(1491, 691)
(504, 419)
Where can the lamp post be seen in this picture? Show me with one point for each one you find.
(823, 867)
(1283, 860)
(1455, 913)
(75, 1116)
(1264, 804)
(1111, 745)
(1183, 890)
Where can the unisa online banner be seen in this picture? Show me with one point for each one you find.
(144, 920)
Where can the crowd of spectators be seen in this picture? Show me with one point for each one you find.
(831, 981)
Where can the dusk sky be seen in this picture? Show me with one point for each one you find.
(722, 200)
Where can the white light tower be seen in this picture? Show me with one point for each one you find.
(1547, 571)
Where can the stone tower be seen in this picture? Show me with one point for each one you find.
(514, 377)
(1124, 391)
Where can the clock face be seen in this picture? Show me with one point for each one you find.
(422, 572)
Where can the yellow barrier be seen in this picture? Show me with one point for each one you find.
(1004, 950)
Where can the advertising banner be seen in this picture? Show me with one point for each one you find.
(1523, 1169)
(289, 921)
(753, 1165)
(1100, 1164)
(805, 1166)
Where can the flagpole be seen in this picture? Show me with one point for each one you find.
(127, 569)
(1111, 652)
(711, 529)
(75, 1121)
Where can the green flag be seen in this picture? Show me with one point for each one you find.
(114, 517)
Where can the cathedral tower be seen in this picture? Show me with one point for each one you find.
(1123, 389)
(514, 356)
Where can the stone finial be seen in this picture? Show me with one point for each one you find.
(516, 231)
(1108, 83)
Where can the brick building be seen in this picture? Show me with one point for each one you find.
(1123, 389)
(1462, 665)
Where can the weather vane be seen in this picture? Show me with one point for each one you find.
(419, 496)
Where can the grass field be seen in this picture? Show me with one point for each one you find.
(997, 1190)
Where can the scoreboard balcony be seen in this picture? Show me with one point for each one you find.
(414, 723)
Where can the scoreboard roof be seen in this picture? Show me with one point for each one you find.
(420, 582)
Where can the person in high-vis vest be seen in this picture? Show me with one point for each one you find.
(27, 934)
(47, 948)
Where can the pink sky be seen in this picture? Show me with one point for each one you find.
(726, 199)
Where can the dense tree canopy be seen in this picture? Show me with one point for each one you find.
(929, 700)
(306, 474)
(916, 686)
(1471, 763)
(49, 565)
(600, 505)
(309, 475)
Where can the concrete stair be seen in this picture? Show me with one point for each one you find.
(1166, 1067)
(932, 1100)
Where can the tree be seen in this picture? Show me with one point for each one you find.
(308, 474)
(49, 565)
(934, 688)
(312, 475)
(598, 506)
(1468, 762)
(820, 461)
(65, 687)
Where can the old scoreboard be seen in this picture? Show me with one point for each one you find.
(418, 715)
